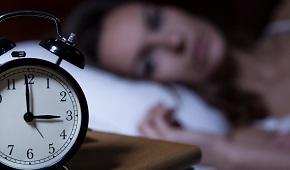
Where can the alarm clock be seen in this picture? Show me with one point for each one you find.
(43, 110)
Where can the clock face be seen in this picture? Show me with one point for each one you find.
(41, 115)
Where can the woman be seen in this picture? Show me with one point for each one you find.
(168, 45)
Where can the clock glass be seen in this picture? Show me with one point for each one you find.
(43, 114)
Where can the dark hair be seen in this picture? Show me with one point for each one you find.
(241, 107)
(86, 22)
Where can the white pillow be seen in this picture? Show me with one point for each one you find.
(118, 105)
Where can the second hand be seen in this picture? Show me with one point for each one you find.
(39, 132)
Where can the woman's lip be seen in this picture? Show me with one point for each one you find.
(200, 49)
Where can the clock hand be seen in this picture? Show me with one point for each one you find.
(46, 117)
(29, 117)
(27, 94)
(38, 130)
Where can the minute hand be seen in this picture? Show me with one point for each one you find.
(45, 117)
(27, 94)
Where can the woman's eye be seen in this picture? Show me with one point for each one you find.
(148, 66)
(154, 19)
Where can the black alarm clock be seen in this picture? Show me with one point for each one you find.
(43, 110)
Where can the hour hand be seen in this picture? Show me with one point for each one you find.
(45, 117)
(29, 117)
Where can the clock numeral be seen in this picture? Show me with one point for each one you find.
(63, 135)
(29, 154)
(69, 115)
(51, 148)
(11, 147)
(11, 84)
(47, 83)
(0, 98)
(63, 95)
(30, 78)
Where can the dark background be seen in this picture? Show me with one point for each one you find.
(30, 28)
(242, 18)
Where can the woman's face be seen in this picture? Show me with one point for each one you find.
(160, 43)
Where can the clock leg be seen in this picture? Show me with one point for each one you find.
(64, 167)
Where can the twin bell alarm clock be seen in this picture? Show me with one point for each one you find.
(43, 110)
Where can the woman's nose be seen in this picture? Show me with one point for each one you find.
(172, 41)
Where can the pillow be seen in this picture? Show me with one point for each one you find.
(118, 105)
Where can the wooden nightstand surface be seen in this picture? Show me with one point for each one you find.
(104, 151)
